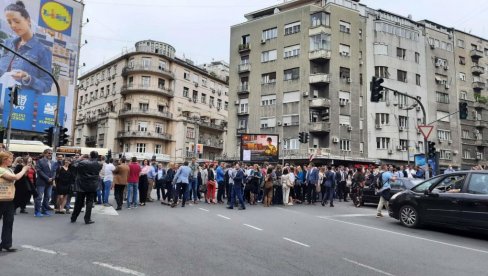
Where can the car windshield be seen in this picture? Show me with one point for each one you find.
(422, 187)
(410, 183)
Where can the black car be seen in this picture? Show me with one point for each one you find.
(457, 200)
(369, 193)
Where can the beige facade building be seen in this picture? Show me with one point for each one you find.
(150, 104)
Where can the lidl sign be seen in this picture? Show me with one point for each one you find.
(56, 16)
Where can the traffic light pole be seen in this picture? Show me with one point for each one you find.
(58, 100)
(9, 122)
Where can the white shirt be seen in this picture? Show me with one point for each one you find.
(411, 173)
(292, 177)
(108, 172)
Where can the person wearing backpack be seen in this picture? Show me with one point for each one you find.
(383, 183)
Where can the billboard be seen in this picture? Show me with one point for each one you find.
(259, 148)
(48, 33)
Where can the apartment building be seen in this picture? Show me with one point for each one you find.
(150, 104)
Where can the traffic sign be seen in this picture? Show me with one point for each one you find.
(426, 130)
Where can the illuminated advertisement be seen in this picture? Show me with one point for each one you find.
(47, 33)
(259, 148)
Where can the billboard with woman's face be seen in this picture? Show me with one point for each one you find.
(259, 148)
(47, 33)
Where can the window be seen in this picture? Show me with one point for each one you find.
(382, 143)
(268, 122)
(380, 49)
(158, 149)
(268, 56)
(465, 134)
(403, 144)
(320, 19)
(344, 73)
(143, 106)
(417, 79)
(401, 76)
(268, 100)
(444, 135)
(161, 108)
(186, 75)
(204, 82)
(226, 105)
(146, 63)
(381, 72)
(445, 154)
(382, 119)
(291, 51)
(440, 62)
(460, 43)
(401, 53)
(344, 120)
(195, 96)
(344, 50)
(467, 154)
(478, 184)
(162, 65)
(442, 97)
(242, 124)
(142, 126)
(243, 105)
(292, 28)
(320, 42)
(291, 120)
(270, 34)
(140, 148)
(291, 74)
(190, 133)
(219, 104)
(292, 144)
(203, 99)
(159, 128)
(462, 60)
(291, 97)
(345, 145)
(268, 78)
(442, 116)
(186, 91)
(344, 27)
(344, 98)
(462, 76)
(146, 81)
(245, 39)
(212, 101)
(126, 147)
(403, 122)
(417, 57)
(463, 95)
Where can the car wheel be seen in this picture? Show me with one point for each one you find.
(409, 216)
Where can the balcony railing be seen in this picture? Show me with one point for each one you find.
(144, 134)
(212, 126)
(243, 89)
(146, 112)
(244, 67)
(480, 124)
(476, 53)
(147, 68)
(151, 88)
(319, 127)
(242, 112)
(477, 70)
(319, 54)
(478, 85)
(211, 144)
(320, 103)
(319, 78)
(244, 47)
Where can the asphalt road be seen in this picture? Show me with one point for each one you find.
(207, 239)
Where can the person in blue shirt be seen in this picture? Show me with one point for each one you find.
(181, 180)
(28, 46)
(238, 177)
(220, 182)
(386, 177)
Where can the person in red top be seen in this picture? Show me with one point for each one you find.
(133, 182)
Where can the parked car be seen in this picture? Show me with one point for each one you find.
(369, 194)
(458, 200)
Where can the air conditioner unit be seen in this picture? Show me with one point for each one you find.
(450, 142)
(432, 46)
(305, 94)
(342, 103)
(401, 128)
(390, 151)
(437, 64)
(263, 41)
(278, 123)
(399, 147)
(378, 126)
(446, 67)
(335, 140)
(349, 128)
(447, 86)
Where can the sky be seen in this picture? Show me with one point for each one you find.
(200, 30)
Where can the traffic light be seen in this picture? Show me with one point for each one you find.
(14, 94)
(48, 136)
(301, 137)
(376, 89)
(463, 110)
(306, 137)
(431, 150)
(63, 136)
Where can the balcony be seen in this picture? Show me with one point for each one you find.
(242, 112)
(145, 112)
(244, 67)
(147, 155)
(244, 48)
(320, 103)
(479, 105)
(322, 54)
(91, 120)
(315, 30)
(211, 126)
(478, 85)
(480, 124)
(142, 68)
(476, 54)
(91, 139)
(159, 90)
(212, 144)
(144, 134)
(320, 78)
(243, 89)
(477, 70)
(481, 143)
(319, 127)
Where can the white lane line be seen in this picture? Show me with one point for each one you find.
(407, 235)
(348, 216)
(43, 250)
(120, 269)
(368, 267)
(223, 216)
(204, 209)
(293, 241)
(253, 227)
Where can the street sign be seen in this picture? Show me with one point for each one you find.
(426, 130)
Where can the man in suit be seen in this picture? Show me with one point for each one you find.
(341, 178)
(330, 178)
(312, 181)
(121, 173)
(46, 171)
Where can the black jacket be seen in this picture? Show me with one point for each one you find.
(87, 175)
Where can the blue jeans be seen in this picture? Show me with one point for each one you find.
(106, 190)
(41, 202)
(192, 186)
(132, 189)
(237, 192)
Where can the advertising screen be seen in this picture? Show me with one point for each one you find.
(259, 148)
(48, 33)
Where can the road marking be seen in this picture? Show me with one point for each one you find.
(223, 216)
(253, 227)
(368, 267)
(204, 209)
(348, 215)
(102, 210)
(407, 235)
(120, 269)
(293, 241)
(43, 250)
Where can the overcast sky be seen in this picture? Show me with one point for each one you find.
(200, 30)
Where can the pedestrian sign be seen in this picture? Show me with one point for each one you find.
(426, 130)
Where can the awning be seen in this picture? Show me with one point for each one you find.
(27, 148)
